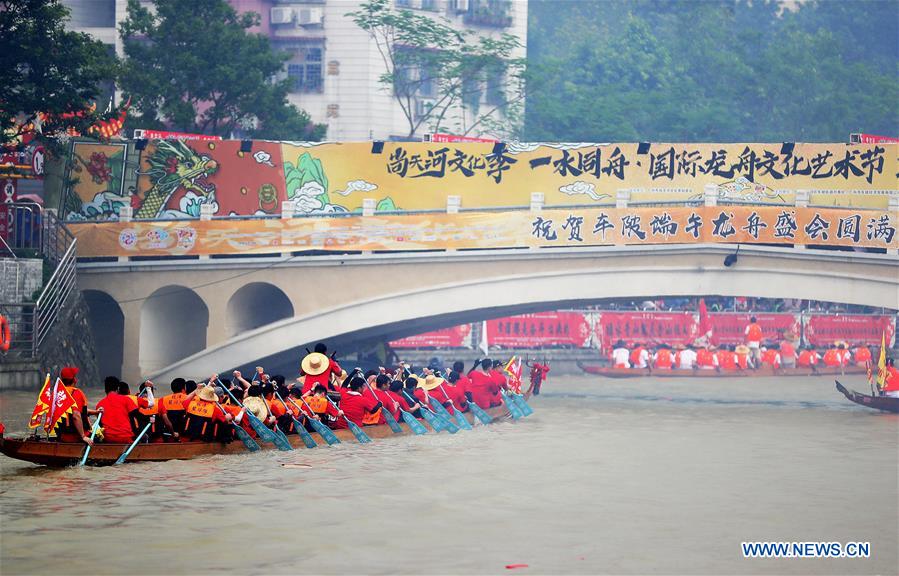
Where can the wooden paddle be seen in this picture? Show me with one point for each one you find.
(94, 428)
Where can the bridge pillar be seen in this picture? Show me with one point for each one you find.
(216, 330)
(131, 371)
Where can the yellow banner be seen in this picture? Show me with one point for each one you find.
(173, 179)
(558, 227)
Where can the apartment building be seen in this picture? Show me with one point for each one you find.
(335, 66)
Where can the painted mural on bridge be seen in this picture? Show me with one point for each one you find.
(171, 179)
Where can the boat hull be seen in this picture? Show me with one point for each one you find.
(885, 403)
(609, 372)
(60, 454)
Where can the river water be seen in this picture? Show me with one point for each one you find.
(643, 476)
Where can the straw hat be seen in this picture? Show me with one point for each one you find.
(314, 364)
(207, 393)
(742, 349)
(256, 405)
(430, 382)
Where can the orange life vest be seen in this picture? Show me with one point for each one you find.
(808, 358)
(787, 350)
(770, 357)
(663, 358)
(635, 356)
(727, 360)
(862, 354)
(832, 357)
(755, 333)
(319, 404)
(173, 401)
(704, 358)
(743, 361)
(370, 419)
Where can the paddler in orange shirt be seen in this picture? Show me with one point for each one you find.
(74, 427)
(862, 355)
(891, 383)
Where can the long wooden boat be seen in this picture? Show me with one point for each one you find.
(885, 403)
(610, 372)
(61, 454)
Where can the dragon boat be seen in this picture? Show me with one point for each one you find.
(60, 454)
(885, 403)
(610, 372)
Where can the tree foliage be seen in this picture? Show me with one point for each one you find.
(426, 57)
(735, 70)
(46, 69)
(193, 66)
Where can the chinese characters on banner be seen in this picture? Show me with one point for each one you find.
(646, 328)
(454, 337)
(573, 329)
(541, 329)
(824, 330)
(587, 227)
(171, 179)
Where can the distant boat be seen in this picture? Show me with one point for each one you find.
(885, 403)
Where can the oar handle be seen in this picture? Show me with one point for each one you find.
(422, 405)
(336, 407)
(233, 397)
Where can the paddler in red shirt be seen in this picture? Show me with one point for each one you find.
(727, 358)
(318, 368)
(862, 355)
(74, 427)
(354, 405)
(663, 359)
(118, 412)
(484, 389)
(376, 389)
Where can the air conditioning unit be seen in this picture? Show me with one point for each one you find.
(423, 106)
(282, 15)
(308, 16)
(461, 5)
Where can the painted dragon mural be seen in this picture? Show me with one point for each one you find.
(174, 166)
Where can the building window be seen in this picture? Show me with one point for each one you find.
(305, 69)
(496, 89)
(92, 14)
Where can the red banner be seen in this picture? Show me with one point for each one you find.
(455, 337)
(871, 139)
(541, 329)
(824, 330)
(647, 328)
(730, 328)
(166, 135)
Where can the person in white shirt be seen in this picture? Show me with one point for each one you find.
(642, 358)
(621, 356)
(686, 358)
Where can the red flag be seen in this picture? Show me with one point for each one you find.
(42, 406)
(705, 323)
(513, 369)
(62, 404)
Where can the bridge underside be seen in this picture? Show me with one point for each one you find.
(348, 301)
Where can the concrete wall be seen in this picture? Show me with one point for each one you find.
(19, 279)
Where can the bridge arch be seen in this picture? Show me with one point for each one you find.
(455, 288)
(173, 322)
(107, 322)
(254, 305)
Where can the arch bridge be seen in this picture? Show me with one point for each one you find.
(170, 318)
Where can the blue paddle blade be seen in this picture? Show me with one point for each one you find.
(526, 409)
(414, 425)
(435, 422)
(391, 421)
(94, 428)
(441, 411)
(308, 440)
(281, 440)
(479, 413)
(245, 437)
(512, 406)
(447, 423)
(263, 431)
(361, 436)
(326, 433)
(462, 421)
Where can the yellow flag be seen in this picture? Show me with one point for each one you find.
(882, 362)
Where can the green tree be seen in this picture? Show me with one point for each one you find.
(426, 58)
(46, 69)
(193, 66)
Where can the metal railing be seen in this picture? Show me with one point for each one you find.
(34, 232)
